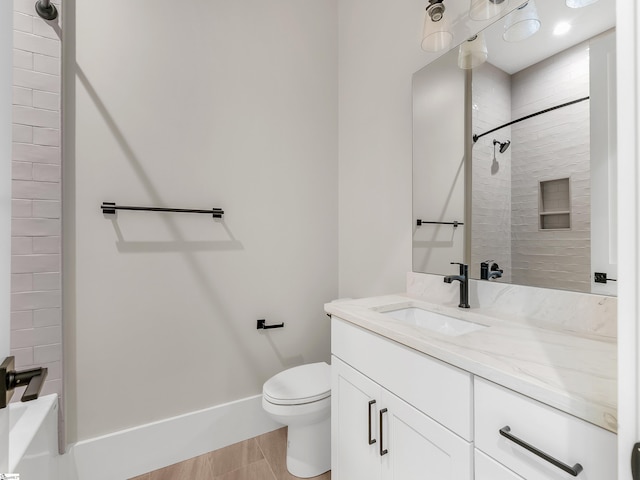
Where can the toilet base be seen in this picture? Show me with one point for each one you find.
(309, 449)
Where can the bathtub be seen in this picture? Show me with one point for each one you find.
(33, 438)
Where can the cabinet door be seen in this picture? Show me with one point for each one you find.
(487, 468)
(420, 448)
(352, 417)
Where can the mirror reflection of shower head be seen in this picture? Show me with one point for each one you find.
(503, 145)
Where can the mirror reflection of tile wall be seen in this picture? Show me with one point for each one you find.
(547, 147)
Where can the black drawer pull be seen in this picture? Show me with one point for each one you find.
(371, 440)
(385, 451)
(575, 470)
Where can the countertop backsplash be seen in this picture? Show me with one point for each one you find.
(581, 313)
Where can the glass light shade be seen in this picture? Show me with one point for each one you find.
(473, 52)
(579, 3)
(522, 23)
(486, 9)
(436, 36)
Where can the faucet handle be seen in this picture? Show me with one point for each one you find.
(464, 268)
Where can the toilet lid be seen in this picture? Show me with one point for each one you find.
(303, 384)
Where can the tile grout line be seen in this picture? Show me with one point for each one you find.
(273, 473)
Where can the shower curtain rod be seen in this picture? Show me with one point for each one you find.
(478, 137)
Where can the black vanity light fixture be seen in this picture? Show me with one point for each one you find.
(46, 10)
(436, 33)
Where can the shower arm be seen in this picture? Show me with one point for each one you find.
(46, 10)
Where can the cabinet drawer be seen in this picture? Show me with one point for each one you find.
(562, 437)
(435, 388)
(486, 468)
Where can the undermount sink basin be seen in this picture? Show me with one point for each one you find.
(435, 322)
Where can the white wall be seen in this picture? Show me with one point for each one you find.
(379, 52)
(438, 165)
(196, 105)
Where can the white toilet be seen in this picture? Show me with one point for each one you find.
(300, 397)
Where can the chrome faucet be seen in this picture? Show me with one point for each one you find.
(463, 278)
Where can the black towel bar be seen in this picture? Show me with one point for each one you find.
(109, 208)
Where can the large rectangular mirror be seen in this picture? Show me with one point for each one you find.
(514, 151)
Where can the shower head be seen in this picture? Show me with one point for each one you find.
(503, 145)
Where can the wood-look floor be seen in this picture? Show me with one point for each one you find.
(259, 458)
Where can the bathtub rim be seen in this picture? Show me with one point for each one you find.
(28, 424)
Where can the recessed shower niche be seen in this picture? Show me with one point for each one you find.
(555, 205)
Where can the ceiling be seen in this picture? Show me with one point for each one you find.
(585, 23)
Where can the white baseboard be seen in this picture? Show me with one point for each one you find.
(128, 453)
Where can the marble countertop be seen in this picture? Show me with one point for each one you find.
(571, 372)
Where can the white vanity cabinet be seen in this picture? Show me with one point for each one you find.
(400, 414)
(379, 433)
(504, 419)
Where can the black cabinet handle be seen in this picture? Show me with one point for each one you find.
(575, 470)
(382, 451)
(371, 440)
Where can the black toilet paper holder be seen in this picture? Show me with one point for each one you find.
(262, 325)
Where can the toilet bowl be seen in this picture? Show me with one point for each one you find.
(300, 398)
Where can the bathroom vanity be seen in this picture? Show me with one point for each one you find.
(482, 397)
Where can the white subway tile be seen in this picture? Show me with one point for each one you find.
(22, 59)
(46, 64)
(22, 22)
(22, 338)
(21, 282)
(36, 80)
(46, 281)
(36, 44)
(45, 172)
(46, 209)
(47, 335)
(22, 133)
(35, 263)
(35, 227)
(46, 245)
(21, 208)
(27, 152)
(22, 96)
(46, 136)
(23, 246)
(22, 170)
(21, 320)
(52, 387)
(36, 190)
(35, 117)
(35, 300)
(47, 316)
(23, 6)
(46, 100)
(54, 369)
(45, 29)
(47, 354)
(23, 356)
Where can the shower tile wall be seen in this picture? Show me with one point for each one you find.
(491, 204)
(551, 146)
(36, 323)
